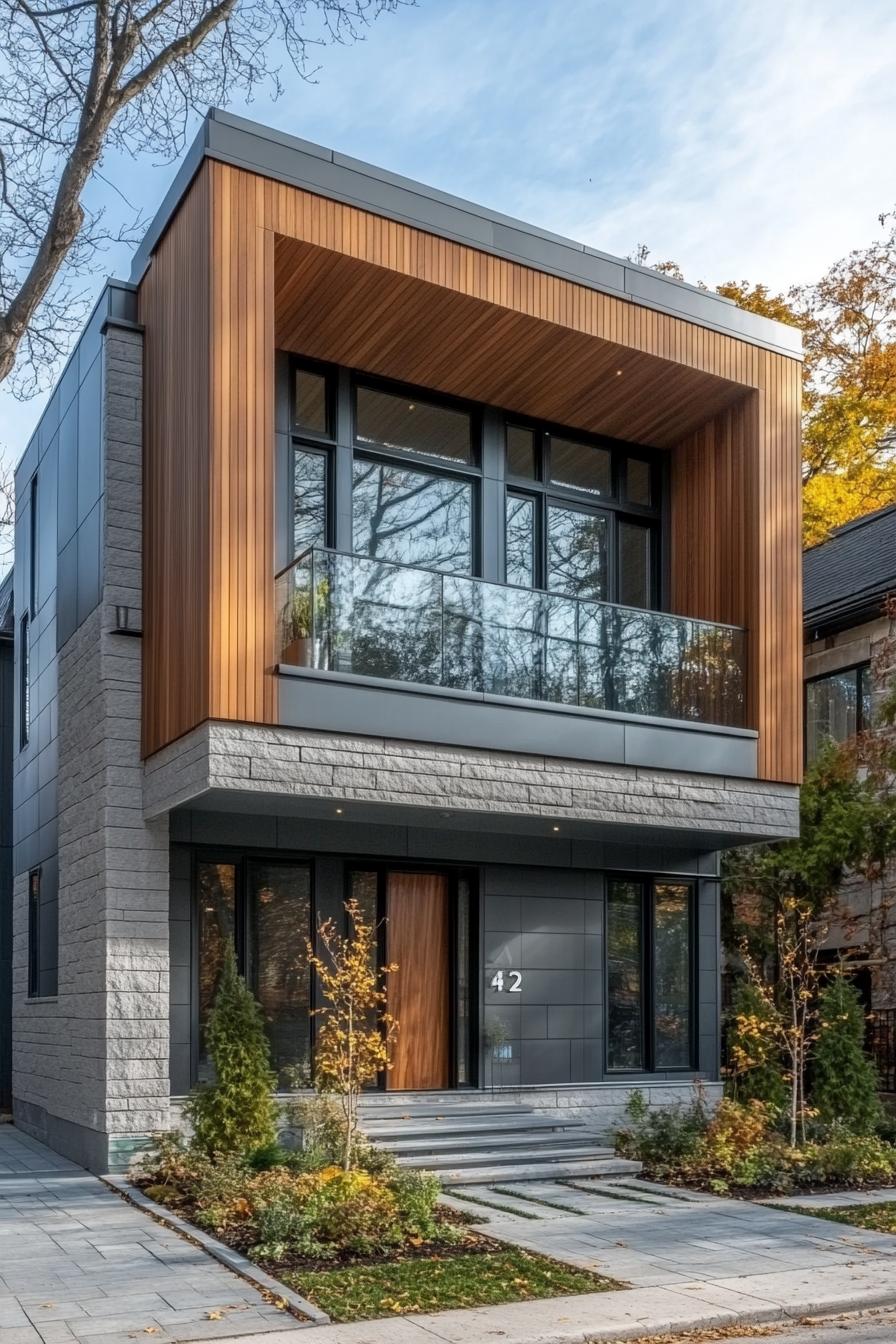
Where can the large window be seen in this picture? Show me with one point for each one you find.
(581, 518)
(264, 908)
(649, 975)
(410, 478)
(837, 707)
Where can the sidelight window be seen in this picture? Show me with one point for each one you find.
(264, 909)
(649, 928)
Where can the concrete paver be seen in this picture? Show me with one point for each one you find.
(78, 1264)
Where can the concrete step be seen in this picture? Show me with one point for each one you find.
(525, 1139)
(537, 1155)
(412, 1130)
(386, 1108)
(555, 1170)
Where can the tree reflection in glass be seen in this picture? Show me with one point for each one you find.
(672, 975)
(625, 1026)
(411, 517)
(216, 897)
(577, 553)
(279, 924)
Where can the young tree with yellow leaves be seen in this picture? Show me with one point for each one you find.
(848, 321)
(356, 1031)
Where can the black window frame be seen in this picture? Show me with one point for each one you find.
(32, 548)
(24, 681)
(424, 463)
(861, 725)
(488, 475)
(34, 966)
(241, 861)
(648, 884)
(615, 506)
(302, 439)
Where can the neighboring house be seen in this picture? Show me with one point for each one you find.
(848, 665)
(373, 543)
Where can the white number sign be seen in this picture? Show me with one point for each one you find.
(513, 985)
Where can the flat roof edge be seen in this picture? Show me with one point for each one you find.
(324, 172)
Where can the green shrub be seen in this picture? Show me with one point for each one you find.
(416, 1195)
(756, 1071)
(236, 1113)
(663, 1139)
(846, 1159)
(323, 1213)
(739, 1147)
(844, 1082)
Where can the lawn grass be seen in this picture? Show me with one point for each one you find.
(873, 1217)
(364, 1292)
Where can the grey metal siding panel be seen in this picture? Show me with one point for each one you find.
(429, 715)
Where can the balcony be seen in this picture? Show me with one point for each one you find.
(349, 614)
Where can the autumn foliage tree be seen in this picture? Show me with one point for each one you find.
(777, 899)
(848, 321)
(355, 1030)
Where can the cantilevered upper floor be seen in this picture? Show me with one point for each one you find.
(415, 468)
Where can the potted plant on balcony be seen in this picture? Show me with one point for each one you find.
(299, 623)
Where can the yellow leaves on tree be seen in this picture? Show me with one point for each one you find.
(848, 320)
(355, 1029)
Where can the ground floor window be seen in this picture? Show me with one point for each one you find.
(649, 931)
(264, 907)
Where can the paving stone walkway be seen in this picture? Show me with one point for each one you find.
(77, 1263)
(653, 1236)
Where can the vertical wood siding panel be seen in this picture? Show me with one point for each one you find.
(734, 482)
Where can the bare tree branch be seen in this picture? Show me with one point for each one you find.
(83, 77)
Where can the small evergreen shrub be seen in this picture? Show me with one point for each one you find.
(844, 1090)
(237, 1113)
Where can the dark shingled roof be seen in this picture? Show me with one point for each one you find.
(846, 577)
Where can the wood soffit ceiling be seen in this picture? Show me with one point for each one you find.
(337, 308)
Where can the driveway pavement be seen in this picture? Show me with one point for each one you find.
(79, 1264)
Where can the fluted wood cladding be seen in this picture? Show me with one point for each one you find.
(285, 268)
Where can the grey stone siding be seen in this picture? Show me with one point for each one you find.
(305, 765)
(91, 1066)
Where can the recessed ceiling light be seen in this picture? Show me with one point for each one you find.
(618, 373)
(556, 828)
(339, 811)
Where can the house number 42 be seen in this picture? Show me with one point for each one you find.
(513, 983)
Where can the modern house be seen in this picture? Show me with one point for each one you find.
(374, 543)
(849, 663)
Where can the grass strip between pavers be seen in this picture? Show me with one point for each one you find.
(490, 1204)
(365, 1292)
(872, 1217)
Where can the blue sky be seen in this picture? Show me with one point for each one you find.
(751, 141)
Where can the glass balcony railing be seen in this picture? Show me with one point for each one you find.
(348, 613)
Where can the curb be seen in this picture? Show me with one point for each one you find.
(306, 1311)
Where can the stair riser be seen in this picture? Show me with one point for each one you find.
(501, 1175)
(439, 1161)
(496, 1146)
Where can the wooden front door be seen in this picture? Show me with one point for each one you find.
(419, 995)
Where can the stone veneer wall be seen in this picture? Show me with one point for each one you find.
(318, 765)
(91, 1067)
